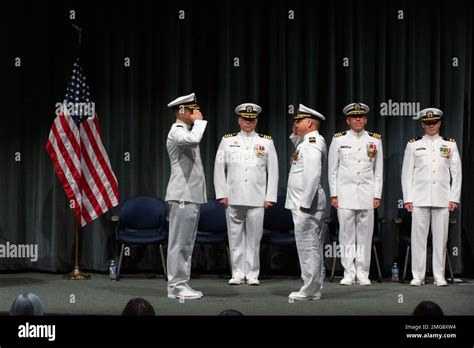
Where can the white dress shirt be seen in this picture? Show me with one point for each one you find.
(355, 166)
(304, 182)
(431, 172)
(246, 169)
(187, 182)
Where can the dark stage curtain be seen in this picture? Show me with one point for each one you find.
(426, 57)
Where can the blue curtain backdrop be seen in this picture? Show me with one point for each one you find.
(321, 54)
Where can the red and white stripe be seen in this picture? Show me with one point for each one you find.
(83, 167)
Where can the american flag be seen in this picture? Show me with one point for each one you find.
(79, 157)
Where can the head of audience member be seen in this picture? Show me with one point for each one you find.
(27, 304)
(138, 306)
(230, 313)
(428, 308)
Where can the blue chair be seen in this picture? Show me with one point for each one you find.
(333, 228)
(212, 227)
(142, 221)
(278, 231)
(277, 224)
(403, 222)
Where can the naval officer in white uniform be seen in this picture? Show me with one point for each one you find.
(246, 183)
(355, 169)
(431, 183)
(307, 200)
(186, 191)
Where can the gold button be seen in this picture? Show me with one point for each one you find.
(434, 161)
(434, 171)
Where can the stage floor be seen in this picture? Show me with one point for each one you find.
(99, 295)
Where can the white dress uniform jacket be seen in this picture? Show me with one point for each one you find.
(187, 182)
(304, 182)
(431, 172)
(355, 166)
(246, 169)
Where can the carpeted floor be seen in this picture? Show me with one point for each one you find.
(99, 295)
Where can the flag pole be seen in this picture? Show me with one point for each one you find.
(79, 30)
(76, 274)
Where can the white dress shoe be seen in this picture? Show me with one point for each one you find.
(253, 281)
(236, 281)
(188, 294)
(440, 282)
(364, 282)
(417, 282)
(296, 295)
(191, 289)
(347, 281)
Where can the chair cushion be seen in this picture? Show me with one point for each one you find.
(210, 238)
(279, 239)
(138, 237)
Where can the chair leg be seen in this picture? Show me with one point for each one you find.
(230, 261)
(120, 262)
(406, 264)
(333, 269)
(163, 264)
(378, 264)
(450, 267)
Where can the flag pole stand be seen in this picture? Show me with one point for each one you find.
(76, 274)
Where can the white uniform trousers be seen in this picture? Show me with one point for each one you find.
(421, 218)
(183, 223)
(308, 235)
(245, 229)
(356, 228)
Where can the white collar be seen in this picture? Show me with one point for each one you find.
(247, 135)
(357, 134)
(188, 126)
(431, 137)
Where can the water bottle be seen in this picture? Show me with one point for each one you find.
(395, 272)
(113, 270)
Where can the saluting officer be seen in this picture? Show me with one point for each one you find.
(306, 199)
(431, 183)
(186, 191)
(355, 166)
(246, 182)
